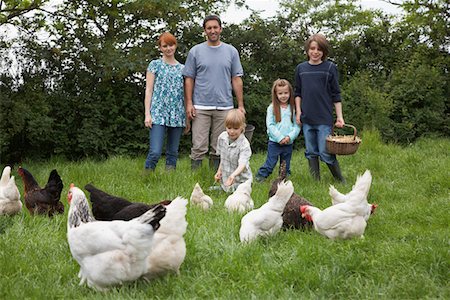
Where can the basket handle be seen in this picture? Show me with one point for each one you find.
(351, 126)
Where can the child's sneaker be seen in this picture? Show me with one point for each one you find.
(215, 188)
(259, 178)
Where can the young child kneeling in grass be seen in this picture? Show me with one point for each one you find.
(235, 152)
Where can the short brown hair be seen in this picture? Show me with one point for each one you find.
(320, 39)
(212, 18)
(235, 119)
(167, 38)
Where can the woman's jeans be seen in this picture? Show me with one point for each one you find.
(316, 142)
(275, 150)
(157, 134)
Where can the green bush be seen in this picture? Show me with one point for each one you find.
(418, 93)
(365, 105)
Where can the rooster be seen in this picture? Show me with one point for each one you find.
(42, 200)
(9, 194)
(346, 219)
(241, 199)
(106, 207)
(199, 198)
(292, 218)
(109, 253)
(169, 248)
(266, 220)
(337, 197)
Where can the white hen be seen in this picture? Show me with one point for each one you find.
(337, 221)
(169, 248)
(359, 191)
(266, 220)
(199, 198)
(109, 252)
(10, 203)
(241, 199)
(347, 217)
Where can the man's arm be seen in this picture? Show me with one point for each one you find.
(188, 91)
(238, 88)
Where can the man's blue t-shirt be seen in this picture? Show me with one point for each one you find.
(212, 68)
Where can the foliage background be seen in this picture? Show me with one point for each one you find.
(79, 93)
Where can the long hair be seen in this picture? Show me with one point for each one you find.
(276, 102)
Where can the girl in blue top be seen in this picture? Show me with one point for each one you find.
(281, 128)
(164, 104)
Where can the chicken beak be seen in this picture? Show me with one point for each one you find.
(69, 193)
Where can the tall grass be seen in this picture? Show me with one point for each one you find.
(404, 255)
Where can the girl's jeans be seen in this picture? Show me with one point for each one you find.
(275, 150)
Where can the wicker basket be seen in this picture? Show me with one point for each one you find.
(343, 144)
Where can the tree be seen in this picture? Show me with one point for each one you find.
(10, 10)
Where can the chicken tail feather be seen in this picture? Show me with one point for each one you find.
(153, 216)
(54, 185)
(282, 173)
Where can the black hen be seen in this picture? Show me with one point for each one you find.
(42, 200)
(292, 217)
(106, 207)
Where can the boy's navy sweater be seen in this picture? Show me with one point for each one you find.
(318, 87)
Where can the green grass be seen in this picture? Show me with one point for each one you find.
(405, 253)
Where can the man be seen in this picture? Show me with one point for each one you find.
(212, 71)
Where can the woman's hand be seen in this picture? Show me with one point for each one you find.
(148, 121)
(188, 126)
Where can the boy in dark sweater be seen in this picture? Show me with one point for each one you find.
(317, 93)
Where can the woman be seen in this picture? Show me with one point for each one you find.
(164, 104)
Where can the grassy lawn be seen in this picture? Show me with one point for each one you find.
(404, 255)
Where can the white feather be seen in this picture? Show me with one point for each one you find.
(10, 203)
(357, 196)
(199, 198)
(241, 200)
(109, 253)
(266, 220)
(169, 248)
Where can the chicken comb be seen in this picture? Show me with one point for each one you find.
(303, 208)
(373, 207)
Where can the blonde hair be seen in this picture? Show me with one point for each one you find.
(235, 119)
(276, 102)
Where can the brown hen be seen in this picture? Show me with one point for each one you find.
(292, 217)
(42, 200)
